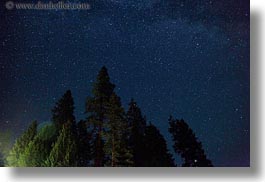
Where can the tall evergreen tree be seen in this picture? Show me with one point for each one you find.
(20, 145)
(156, 152)
(187, 145)
(83, 144)
(63, 111)
(64, 151)
(116, 147)
(137, 124)
(96, 108)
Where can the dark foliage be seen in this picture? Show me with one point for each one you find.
(116, 146)
(96, 107)
(63, 111)
(83, 144)
(187, 145)
(156, 152)
(137, 124)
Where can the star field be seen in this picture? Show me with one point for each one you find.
(182, 58)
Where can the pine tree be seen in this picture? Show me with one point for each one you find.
(125, 156)
(116, 147)
(187, 145)
(20, 145)
(137, 124)
(63, 111)
(34, 155)
(38, 150)
(156, 152)
(64, 151)
(96, 108)
(83, 144)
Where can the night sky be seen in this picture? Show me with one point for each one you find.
(185, 58)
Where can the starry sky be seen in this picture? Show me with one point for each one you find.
(185, 58)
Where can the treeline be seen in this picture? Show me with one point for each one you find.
(109, 136)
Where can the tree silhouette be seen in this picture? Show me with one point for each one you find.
(137, 124)
(156, 152)
(83, 144)
(187, 145)
(116, 129)
(108, 137)
(63, 111)
(96, 107)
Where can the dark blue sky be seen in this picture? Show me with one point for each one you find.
(186, 58)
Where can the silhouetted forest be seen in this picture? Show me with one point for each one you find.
(109, 136)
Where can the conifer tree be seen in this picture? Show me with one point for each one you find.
(83, 144)
(96, 108)
(20, 145)
(187, 145)
(64, 151)
(156, 152)
(34, 155)
(63, 111)
(38, 150)
(116, 147)
(137, 124)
